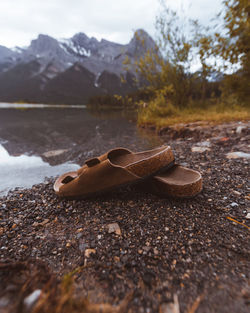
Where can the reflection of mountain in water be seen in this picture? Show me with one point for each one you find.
(70, 70)
(25, 171)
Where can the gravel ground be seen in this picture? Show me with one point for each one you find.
(161, 255)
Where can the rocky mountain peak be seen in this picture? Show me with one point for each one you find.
(5, 53)
(7, 57)
(48, 50)
(43, 43)
(140, 43)
(80, 38)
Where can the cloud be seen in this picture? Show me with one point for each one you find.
(23, 20)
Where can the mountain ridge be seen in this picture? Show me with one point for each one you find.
(46, 61)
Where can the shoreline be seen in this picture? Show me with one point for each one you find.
(166, 249)
(179, 121)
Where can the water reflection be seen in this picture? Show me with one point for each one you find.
(112, 114)
(38, 106)
(34, 136)
(25, 171)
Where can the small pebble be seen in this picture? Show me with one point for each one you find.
(237, 193)
(247, 216)
(199, 149)
(234, 204)
(88, 252)
(114, 228)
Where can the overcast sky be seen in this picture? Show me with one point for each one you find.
(115, 20)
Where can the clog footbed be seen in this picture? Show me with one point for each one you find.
(178, 182)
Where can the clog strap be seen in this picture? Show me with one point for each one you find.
(96, 160)
(92, 162)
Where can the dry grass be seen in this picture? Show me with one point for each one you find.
(215, 114)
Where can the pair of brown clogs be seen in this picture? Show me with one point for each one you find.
(121, 167)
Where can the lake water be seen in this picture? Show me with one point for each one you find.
(38, 141)
(24, 170)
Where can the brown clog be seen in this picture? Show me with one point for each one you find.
(178, 182)
(118, 167)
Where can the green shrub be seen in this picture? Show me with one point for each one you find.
(157, 107)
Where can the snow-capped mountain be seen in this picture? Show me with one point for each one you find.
(49, 64)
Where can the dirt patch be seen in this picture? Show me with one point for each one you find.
(194, 253)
